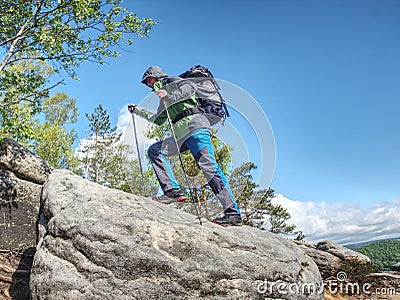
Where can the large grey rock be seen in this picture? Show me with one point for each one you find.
(22, 162)
(19, 210)
(330, 257)
(22, 174)
(342, 252)
(328, 264)
(21, 177)
(100, 243)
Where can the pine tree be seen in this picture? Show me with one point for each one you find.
(256, 204)
(102, 136)
(243, 188)
(108, 161)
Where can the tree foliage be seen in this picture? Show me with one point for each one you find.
(63, 33)
(121, 172)
(243, 188)
(17, 118)
(383, 254)
(256, 204)
(24, 81)
(102, 137)
(60, 110)
(54, 141)
(16, 122)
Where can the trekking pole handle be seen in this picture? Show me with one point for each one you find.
(132, 108)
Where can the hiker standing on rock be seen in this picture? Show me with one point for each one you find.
(192, 131)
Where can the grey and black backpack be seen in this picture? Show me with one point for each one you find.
(207, 95)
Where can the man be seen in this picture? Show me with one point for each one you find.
(192, 133)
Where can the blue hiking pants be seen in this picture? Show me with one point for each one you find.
(199, 144)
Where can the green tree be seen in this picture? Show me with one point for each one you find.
(54, 140)
(383, 254)
(16, 122)
(60, 109)
(110, 162)
(17, 118)
(63, 33)
(264, 211)
(256, 204)
(121, 172)
(102, 137)
(243, 188)
(276, 215)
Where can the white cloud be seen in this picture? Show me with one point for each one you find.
(343, 223)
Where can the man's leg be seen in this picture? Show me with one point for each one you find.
(201, 148)
(158, 154)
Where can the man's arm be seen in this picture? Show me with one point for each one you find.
(158, 118)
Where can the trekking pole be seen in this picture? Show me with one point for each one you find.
(181, 160)
(131, 109)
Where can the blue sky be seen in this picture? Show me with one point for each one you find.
(325, 73)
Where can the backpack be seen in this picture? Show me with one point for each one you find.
(207, 95)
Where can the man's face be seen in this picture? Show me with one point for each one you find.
(150, 81)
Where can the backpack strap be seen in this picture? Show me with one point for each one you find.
(187, 112)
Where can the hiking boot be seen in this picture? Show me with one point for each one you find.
(228, 220)
(171, 196)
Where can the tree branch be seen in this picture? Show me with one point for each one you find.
(19, 35)
(12, 47)
(26, 98)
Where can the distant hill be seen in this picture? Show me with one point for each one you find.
(383, 254)
(357, 246)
